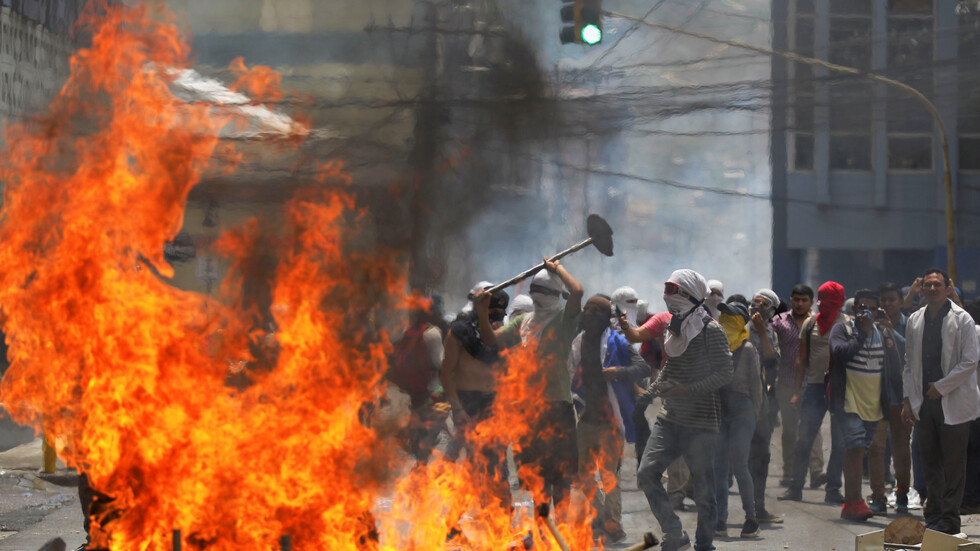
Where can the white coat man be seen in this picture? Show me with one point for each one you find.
(941, 396)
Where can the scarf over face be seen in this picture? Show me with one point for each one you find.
(713, 300)
(830, 298)
(690, 314)
(547, 306)
(735, 330)
(621, 297)
(773, 299)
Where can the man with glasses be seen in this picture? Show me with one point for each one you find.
(941, 396)
(698, 364)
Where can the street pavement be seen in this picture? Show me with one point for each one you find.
(33, 510)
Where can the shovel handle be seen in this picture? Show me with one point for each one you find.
(649, 540)
(530, 272)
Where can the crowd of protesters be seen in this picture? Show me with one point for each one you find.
(895, 368)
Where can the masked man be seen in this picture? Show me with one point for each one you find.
(626, 299)
(602, 366)
(715, 297)
(468, 381)
(551, 450)
(698, 364)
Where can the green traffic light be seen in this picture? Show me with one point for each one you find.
(591, 34)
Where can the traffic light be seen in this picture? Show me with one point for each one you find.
(581, 22)
(590, 17)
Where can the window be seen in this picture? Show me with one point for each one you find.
(801, 97)
(850, 97)
(910, 53)
(968, 92)
(970, 152)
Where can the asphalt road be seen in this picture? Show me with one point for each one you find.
(33, 511)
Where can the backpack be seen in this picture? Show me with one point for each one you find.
(410, 367)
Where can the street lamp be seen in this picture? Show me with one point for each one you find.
(947, 173)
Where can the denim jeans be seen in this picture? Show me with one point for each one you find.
(858, 433)
(811, 417)
(732, 452)
(668, 441)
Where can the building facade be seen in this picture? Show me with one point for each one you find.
(857, 166)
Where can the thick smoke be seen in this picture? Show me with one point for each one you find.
(478, 143)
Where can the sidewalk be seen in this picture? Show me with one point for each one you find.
(33, 509)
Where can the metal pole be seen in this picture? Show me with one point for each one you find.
(176, 540)
(285, 543)
(49, 454)
(947, 178)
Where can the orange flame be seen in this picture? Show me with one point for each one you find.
(133, 372)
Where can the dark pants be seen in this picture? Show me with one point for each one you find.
(424, 427)
(760, 454)
(811, 418)
(971, 494)
(551, 449)
(485, 458)
(943, 465)
(732, 455)
(668, 441)
(918, 479)
(94, 504)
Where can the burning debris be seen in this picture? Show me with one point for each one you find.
(132, 374)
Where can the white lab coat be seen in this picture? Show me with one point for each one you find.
(961, 351)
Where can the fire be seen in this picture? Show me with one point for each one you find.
(133, 373)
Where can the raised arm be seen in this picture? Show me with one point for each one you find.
(633, 334)
(573, 306)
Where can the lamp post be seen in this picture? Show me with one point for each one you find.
(947, 174)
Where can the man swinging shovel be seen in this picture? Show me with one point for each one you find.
(550, 447)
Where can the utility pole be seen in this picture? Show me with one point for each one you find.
(429, 120)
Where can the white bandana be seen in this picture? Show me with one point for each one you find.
(546, 307)
(695, 285)
(621, 298)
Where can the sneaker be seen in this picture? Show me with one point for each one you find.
(817, 480)
(676, 543)
(721, 529)
(765, 517)
(878, 505)
(750, 529)
(833, 497)
(857, 511)
(791, 494)
(902, 503)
